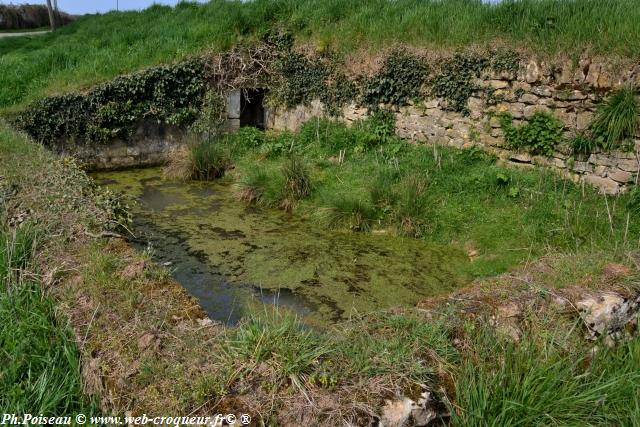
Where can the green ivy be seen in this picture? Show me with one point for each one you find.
(541, 135)
(301, 79)
(400, 79)
(171, 94)
(455, 80)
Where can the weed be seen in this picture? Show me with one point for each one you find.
(582, 144)
(540, 135)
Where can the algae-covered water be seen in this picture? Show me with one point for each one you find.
(231, 256)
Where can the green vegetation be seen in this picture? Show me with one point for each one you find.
(98, 48)
(541, 381)
(540, 135)
(168, 94)
(617, 119)
(39, 361)
(364, 178)
(209, 160)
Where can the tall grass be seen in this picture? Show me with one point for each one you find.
(538, 383)
(99, 47)
(618, 118)
(39, 361)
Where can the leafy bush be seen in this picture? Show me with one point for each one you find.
(617, 119)
(540, 135)
(401, 77)
(301, 79)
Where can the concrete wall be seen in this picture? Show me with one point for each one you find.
(150, 145)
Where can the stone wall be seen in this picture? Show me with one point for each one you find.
(571, 92)
(150, 145)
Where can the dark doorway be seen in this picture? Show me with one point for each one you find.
(252, 108)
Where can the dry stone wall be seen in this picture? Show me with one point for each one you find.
(569, 91)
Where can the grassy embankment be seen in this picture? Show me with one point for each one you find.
(151, 344)
(98, 48)
(39, 360)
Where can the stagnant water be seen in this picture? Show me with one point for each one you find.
(231, 256)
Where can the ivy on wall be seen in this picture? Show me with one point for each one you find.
(179, 94)
(401, 78)
(171, 94)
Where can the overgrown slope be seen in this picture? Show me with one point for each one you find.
(100, 47)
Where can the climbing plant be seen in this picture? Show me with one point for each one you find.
(400, 79)
(171, 94)
(454, 81)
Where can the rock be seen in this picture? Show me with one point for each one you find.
(396, 413)
(146, 341)
(620, 176)
(609, 315)
(606, 185)
(405, 412)
(499, 84)
(509, 310)
(532, 73)
(529, 98)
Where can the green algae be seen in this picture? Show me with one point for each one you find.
(324, 274)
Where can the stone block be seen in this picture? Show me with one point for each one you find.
(582, 167)
(532, 72)
(529, 98)
(620, 176)
(544, 91)
(498, 84)
(605, 185)
(628, 165)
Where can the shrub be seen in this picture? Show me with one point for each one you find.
(411, 208)
(401, 77)
(261, 187)
(171, 94)
(617, 119)
(540, 135)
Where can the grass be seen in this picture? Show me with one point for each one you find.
(618, 118)
(539, 383)
(99, 47)
(463, 198)
(209, 161)
(39, 361)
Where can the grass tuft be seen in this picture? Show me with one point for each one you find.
(618, 118)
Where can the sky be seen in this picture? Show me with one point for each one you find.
(92, 6)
